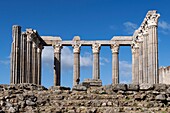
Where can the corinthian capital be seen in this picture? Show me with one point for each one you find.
(57, 48)
(76, 47)
(114, 48)
(96, 47)
(152, 18)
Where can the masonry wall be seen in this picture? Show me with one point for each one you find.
(30, 98)
(164, 75)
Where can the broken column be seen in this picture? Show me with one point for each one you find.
(15, 55)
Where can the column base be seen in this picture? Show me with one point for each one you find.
(92, 83)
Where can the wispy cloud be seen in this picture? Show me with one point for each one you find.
(5, 62)
(125, 68)
(86, 59)
(130, 27)
(165, 27)
(125, 71)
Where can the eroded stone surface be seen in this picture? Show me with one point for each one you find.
(33, 98)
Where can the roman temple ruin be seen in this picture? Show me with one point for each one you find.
(27, 49)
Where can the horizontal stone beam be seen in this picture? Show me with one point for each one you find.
(121, 40)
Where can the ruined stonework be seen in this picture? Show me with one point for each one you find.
(27, 48)
(164, 74)
(31, 98)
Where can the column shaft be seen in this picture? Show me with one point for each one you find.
(39, 53)
(16, 61)
(133, 66)
(115, 63)
(34, 68)
(12, 64)
(96, 66)
(76, 69)
(23, 59)
(57, 64)
(153, 55)
(145, 58)
(29, 60)
(96, 61)
(140, 62)
(115, 68)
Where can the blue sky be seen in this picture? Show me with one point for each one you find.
(91, 20)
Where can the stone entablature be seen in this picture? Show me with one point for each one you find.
(27, 48)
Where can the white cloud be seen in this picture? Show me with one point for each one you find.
(125, 68)
(5, 62)
(86, 59)
(130, 27)
(165, 27)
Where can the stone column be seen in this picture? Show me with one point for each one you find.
(34, 61)
(29, 57)
(57, 63)
(76, 66)
(12, 63)
(135, 64)
(140, 41)
(15, 62)
(96, 61)
(145, 57)
(115, 63)
(39, 53)
(23, 58)
(153, 48)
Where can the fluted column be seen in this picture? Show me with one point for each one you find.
(39, 53)
(153, 49)
(135, 64)
(29, 57)
(23, 58)
(57, 63)
(15, 60)
(140, 41)
(96, 61)
(115, 63)
(76, 66)
(34, 61)
(145, 57)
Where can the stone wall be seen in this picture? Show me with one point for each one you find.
(132, 98)
(164, 75)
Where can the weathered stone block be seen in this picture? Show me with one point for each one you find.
(58, 88)
(117, 87)
(145, 87)
(92, 83)
(160, 87)
(132, 87)
(161, 97)
(79, 87)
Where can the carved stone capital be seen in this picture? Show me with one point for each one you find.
(57, 48)
(34, 45)
(40, 48)
(76, 47)
(152, 17)
(96, 47)
(114, 48)
(145, 33)
(134, 47)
